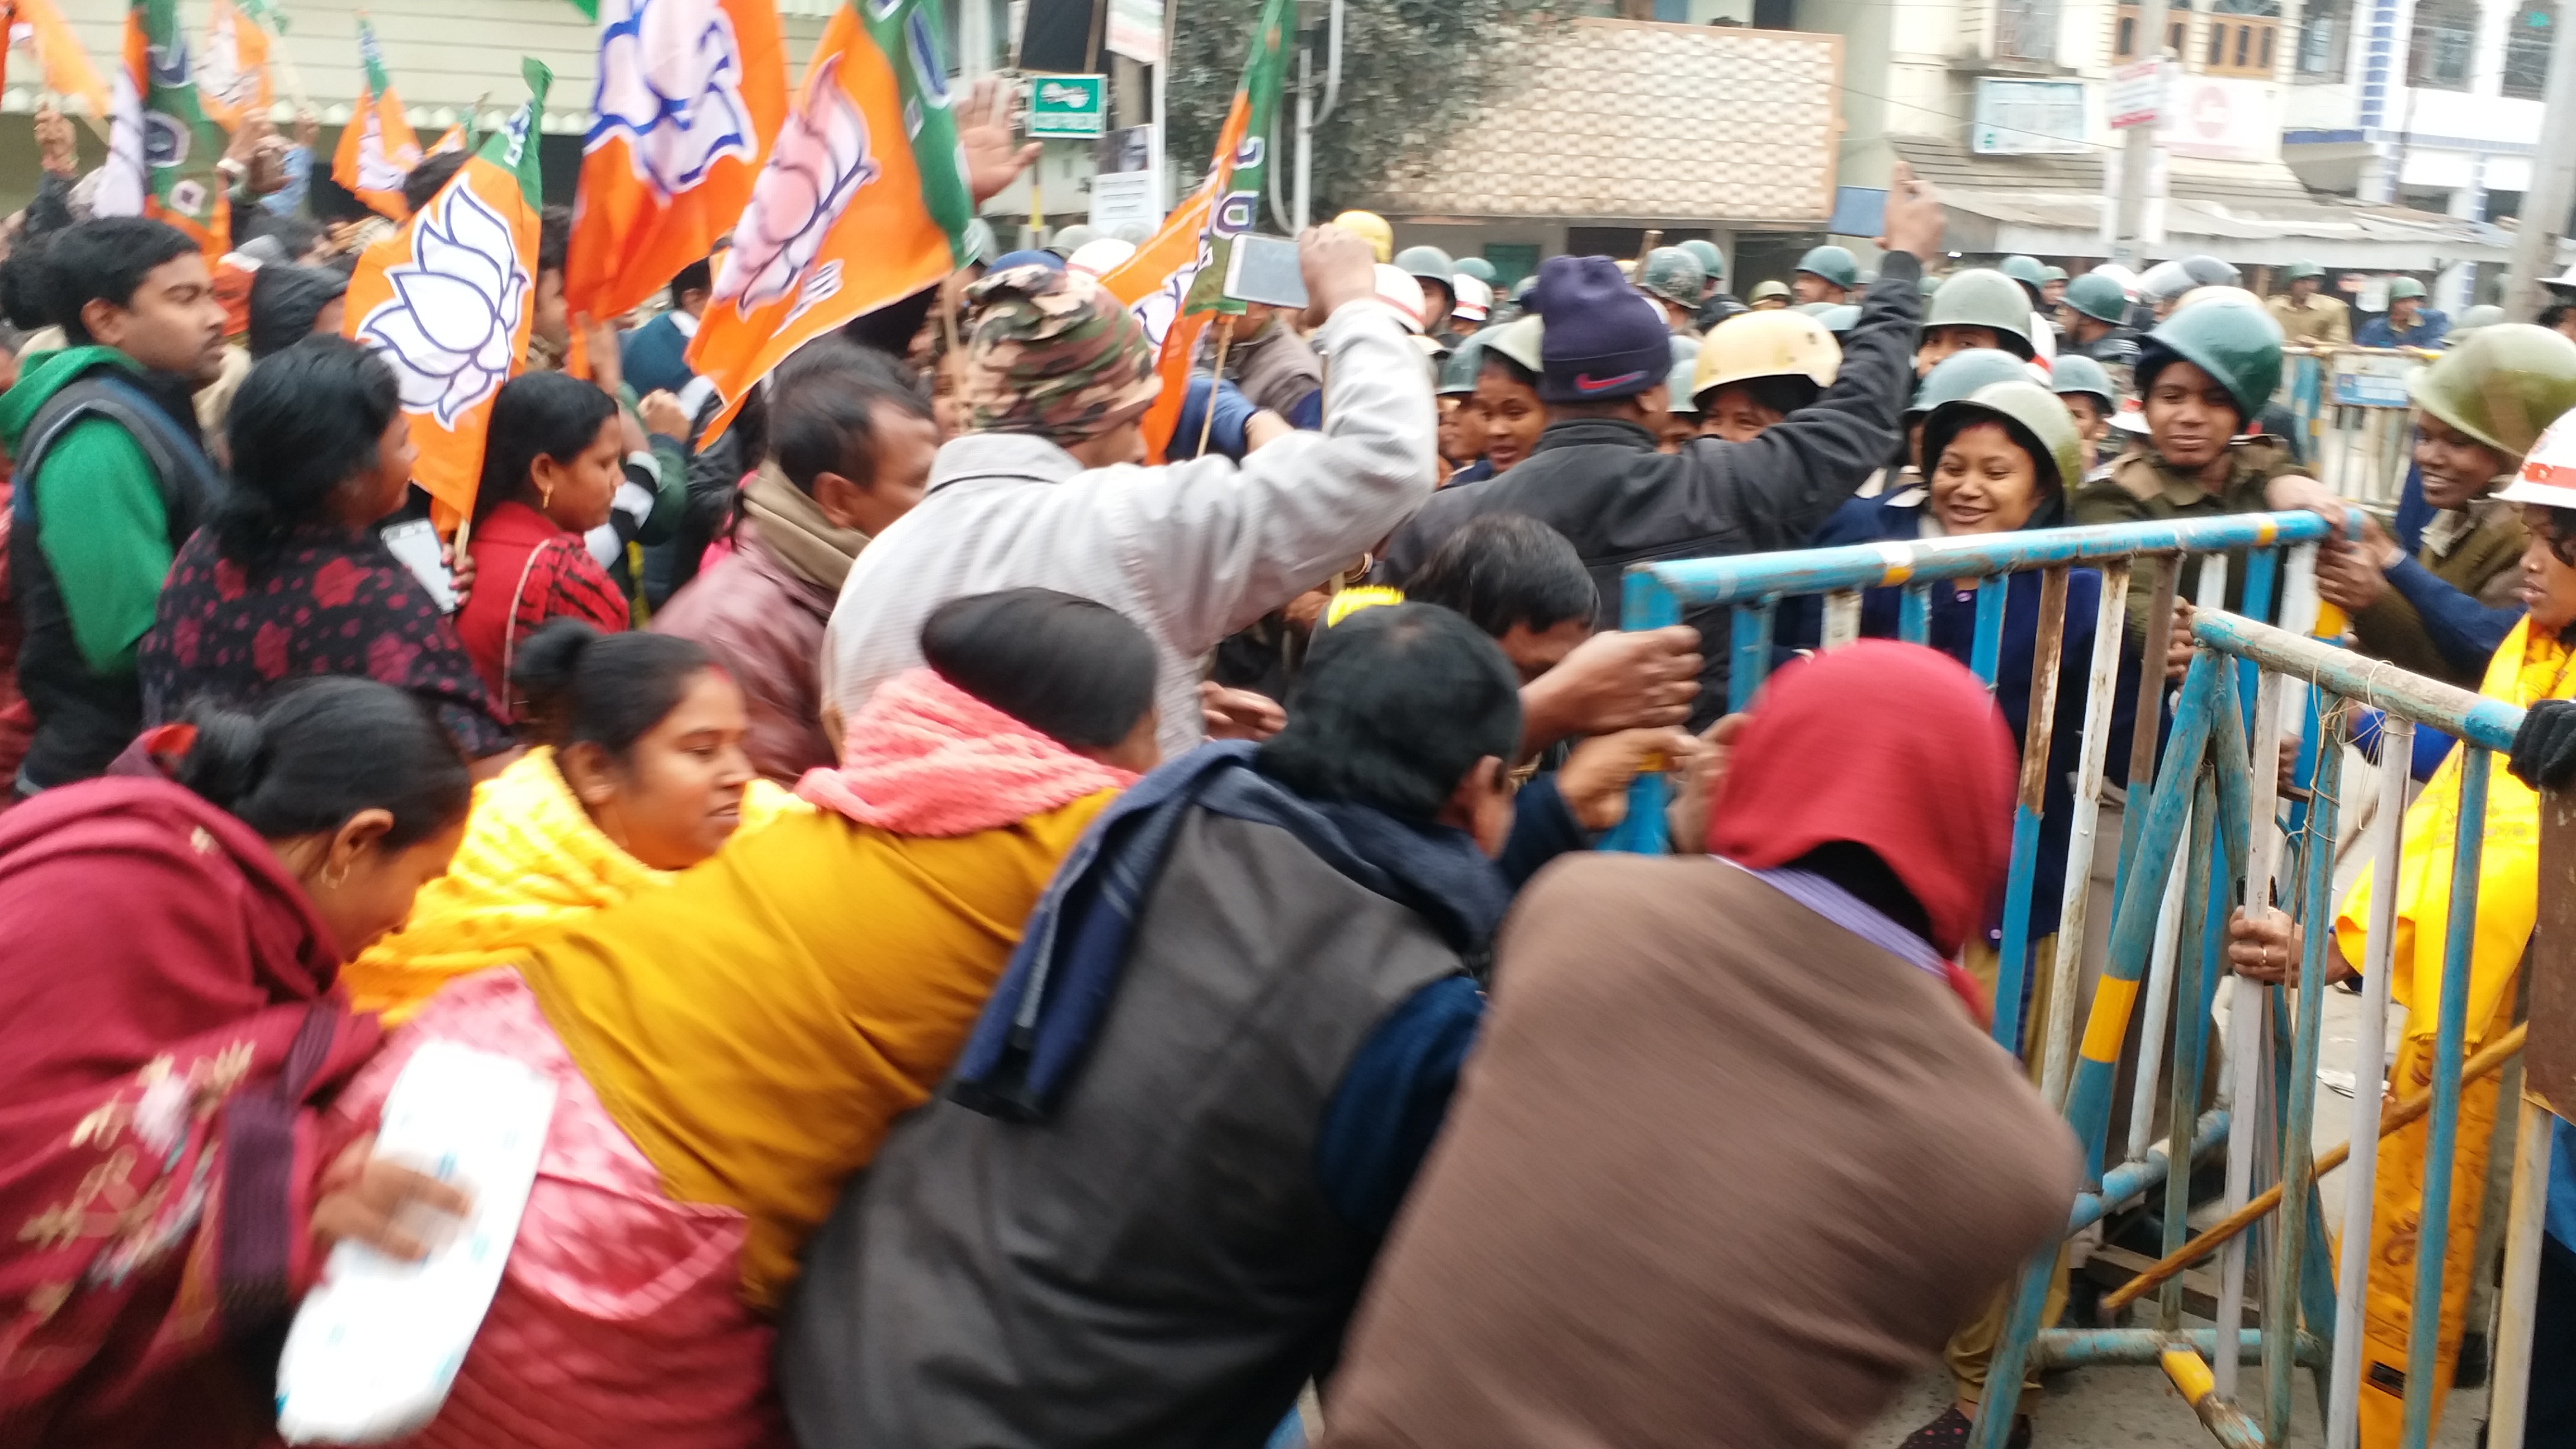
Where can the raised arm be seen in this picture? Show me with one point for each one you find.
(1219, 545)
(1782, 485)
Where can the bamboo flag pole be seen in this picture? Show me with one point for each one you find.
(2484, 1064)
(1207, 415)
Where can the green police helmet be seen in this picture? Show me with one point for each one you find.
(2052, 274)
(2301, 271)
(1712, 262)
(1517, 341)
(2501, 386)
(1962, 373)
(1833, 264)
(2022, 269)
(1839, 319)
(1673, 275)
(1458, 372)
(1677, 387)
(2074, 372)
(2097, 297)
(2031, 415)
(2403, 288)
(2472, 322)
(1428, 263)
(2239, 346)
(1981, 297)
(1478, 268)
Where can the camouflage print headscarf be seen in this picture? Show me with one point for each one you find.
(1049, 352)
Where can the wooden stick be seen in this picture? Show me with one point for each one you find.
(2484, 1064)
(1654, 234)
(1207, 418)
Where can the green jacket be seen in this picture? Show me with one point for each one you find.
(2141, 489)
(98, 507)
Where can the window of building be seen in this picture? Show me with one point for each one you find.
(2026, 30)
(2242, 37)
(2529, 32)
(2325, 37)
(2443, 44)
(2125, 42)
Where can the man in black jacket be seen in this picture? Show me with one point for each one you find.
(1596, 477)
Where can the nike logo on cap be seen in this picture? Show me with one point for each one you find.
(1586, 382)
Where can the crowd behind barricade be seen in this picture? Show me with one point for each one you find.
(1038, 944)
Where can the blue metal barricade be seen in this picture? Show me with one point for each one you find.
(2203, 816)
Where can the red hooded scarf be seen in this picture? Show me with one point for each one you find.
(1890, 746)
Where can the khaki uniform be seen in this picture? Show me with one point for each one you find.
(2141, 489)
(2320, 321)
(2477, 550)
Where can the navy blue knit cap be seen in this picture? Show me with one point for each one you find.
(1603, 340)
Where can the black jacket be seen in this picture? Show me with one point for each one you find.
(1603, 485)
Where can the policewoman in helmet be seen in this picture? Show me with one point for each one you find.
(2002, 458)
(2204, 376)
(1977, 308)
(2534, 664)
(2442, 608)
(1756, 369)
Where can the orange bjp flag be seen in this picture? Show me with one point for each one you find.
(690, 93)
(377, 148)
(233, 82)
(66, 65)
(1173, 282)
(448, 301)
(862, 202)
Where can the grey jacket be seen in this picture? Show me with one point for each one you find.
(1155, 1265)
(1190, 552)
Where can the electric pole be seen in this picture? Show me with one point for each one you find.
(2128, 236)
(2553, 185)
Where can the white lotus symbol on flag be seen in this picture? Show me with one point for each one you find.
(375, 171)
(222, 76)
(455, 309)
(670, 82)
(819, 163)
(124, 179)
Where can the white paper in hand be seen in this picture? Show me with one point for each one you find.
(374, 1348)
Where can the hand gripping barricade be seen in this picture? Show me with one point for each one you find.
(2202, 821)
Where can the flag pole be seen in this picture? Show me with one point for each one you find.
(1207, 415)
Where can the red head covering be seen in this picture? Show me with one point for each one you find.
(1890, 746)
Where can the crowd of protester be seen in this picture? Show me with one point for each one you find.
(1036, 945)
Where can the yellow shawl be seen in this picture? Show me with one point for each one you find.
(531, 858)
(2522, 670)
(757, 1027)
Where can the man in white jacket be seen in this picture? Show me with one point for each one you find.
(1047, 486)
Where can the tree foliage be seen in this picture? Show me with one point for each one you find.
(1411, 69)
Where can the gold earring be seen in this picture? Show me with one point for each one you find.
(545, 495)
(336, 878)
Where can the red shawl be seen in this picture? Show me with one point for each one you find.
(924, 757)
(166, 1020)
(1891, 746)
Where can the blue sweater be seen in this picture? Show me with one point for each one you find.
(1900, 516)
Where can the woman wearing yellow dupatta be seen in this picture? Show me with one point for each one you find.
(2533, 664)
(642, 775)
(729, 1049)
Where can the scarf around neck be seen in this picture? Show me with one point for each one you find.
(924, 757)
(792, 526)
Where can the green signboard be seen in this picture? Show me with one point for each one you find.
(1068, 105)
